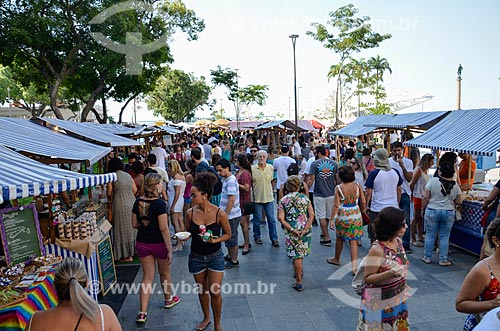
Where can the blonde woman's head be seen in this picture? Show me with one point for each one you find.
(151, 185)
(70, 281)
(174, 167)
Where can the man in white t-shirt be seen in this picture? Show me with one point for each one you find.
(383, 186)
(281, 166)
(161, 155)
(295, 148)
(405, 168)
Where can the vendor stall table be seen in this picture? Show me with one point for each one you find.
(41, 296)
(467, 233)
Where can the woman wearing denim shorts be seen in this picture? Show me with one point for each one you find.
(206, 259)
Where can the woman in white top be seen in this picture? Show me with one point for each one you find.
(441, 196)
(76, 310)
(417, 186)
(360, 172)
(175, 193)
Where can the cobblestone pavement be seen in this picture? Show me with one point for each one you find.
(327, 303)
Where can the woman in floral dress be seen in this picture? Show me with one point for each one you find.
(346, 216)
(383, 300)
(296, 215)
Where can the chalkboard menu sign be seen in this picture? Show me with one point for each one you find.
(21, 236)
(106, 263)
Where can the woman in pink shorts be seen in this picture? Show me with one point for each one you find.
(149, 216)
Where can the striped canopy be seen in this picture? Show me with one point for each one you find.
(473, 131)
(23, 177)
(26, 136)
(358, 128)
(422, 120)
(116, 128)
(93, 133)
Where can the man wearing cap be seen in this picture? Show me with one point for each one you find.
(281, 165)
(383, 186)
(405, 168)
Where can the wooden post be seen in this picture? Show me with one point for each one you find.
(51, 220)
(469, 173)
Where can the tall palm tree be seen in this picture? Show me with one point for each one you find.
(380, 65)
(359, 72)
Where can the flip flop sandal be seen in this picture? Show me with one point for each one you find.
(333, 261)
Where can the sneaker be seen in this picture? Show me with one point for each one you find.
(263, 223)
(276, 243)
(172, 302)
(258, 241)
(230, 264)
(227, 258)
(445, 263)
(426, 260)
(325, 242)
(315, 223)
(408, 250)
(417, 244)
(141, 317)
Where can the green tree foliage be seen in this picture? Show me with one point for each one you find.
(50, 44)
(379, 65)
(246, 95)
(251, 94)
(177, 95)
(349, 35)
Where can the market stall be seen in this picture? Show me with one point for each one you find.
(476, 132)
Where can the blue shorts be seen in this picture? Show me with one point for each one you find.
(200, 263)
(233, 241)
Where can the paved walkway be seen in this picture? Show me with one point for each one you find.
(327, 302)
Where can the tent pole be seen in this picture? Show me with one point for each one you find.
(469, 186)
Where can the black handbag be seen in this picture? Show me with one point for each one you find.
(249, 207)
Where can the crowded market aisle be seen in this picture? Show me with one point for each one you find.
(432, 306)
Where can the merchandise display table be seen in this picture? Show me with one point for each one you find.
(40, 296)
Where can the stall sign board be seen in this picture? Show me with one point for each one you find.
(21, 236)
(106, 263)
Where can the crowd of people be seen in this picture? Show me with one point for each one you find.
(210, 185)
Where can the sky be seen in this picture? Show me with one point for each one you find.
(429, 40)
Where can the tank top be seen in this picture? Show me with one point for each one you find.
(198, 246)
(418, 191)
(79, 320)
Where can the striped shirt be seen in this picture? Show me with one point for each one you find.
(230, 187)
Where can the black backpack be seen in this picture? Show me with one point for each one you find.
(218, 185)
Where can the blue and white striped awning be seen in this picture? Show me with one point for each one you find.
(93, 133)
(26, 136)
(170, 130)
(412, 120)
(117, 129)
(23, 177)
(357, 128)
(473, 131)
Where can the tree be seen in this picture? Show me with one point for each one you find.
(380, 65)
(177, 96)
(247, 95)
(358, 71)
(53, 39)
(251, 94)
(350, 35)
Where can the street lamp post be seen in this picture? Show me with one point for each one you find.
(237, 102)
(294, 39)
(298, 100)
